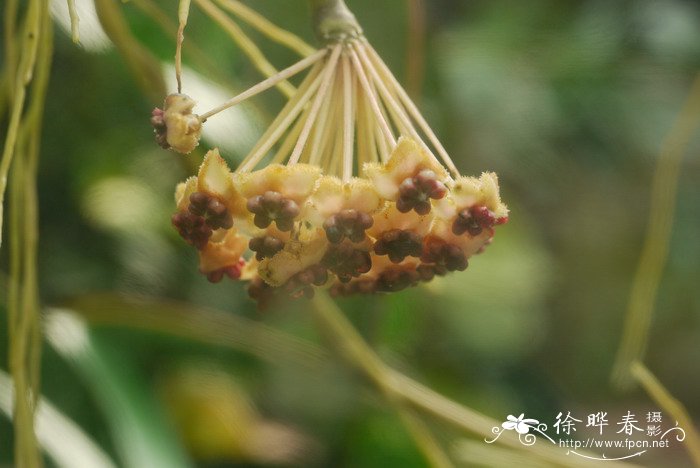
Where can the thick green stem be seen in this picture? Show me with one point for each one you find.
(333, 21)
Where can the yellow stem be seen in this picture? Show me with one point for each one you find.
(183, 12)
(281, 123)
(328, 148)
(675, 408)
(30, 42)
(424, 439)
(328, 74)
(356, 352)
(198, 324)
(217, 328)
(23, 312)
(370, 127)
(170, 28)
(374, 103)
(35, 116)
(320, 136)
(348, 121)
(382, 143)
(277, 121)
(74, 22)
(362, 137)
(245, 43)
(402, 390)
(11, 49)
(656, 245)
(398, 113)
(144, 66)
(271, 30)
(411, 107)
(268, 83)
(291, 138)
(16, 348)
(335, 148)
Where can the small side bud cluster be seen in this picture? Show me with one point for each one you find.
(415, 192)
(444, 255)
(350, 224)
(192, 228)
(475, 220)
(204, 215)
(301, 284)
(272, 206)
(398, 244)
(215, 212)
(347, 262)
(175, 126)
(159, 128)
(265, 246)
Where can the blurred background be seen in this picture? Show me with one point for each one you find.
(569, 102)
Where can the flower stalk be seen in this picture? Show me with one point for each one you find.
(334, 22)
(267, 84)
(266, 27)
(675, 408)
(244, 42)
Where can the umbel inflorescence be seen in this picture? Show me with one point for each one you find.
(343, 191)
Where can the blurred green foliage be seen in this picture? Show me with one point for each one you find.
(567, 101)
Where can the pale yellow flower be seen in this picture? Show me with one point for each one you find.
(353, 198)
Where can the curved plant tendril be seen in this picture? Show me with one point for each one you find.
(654, 254)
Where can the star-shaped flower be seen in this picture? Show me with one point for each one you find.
(411, 177)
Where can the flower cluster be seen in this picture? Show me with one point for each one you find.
(175, 126)
(353, 199)
(290, 229)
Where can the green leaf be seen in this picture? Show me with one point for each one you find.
(141, 433)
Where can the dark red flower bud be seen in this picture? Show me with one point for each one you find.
(265, 246)
(159, 128)
(399, 244)
(346, 261)
(301, 284)
(272, 206)
(415, 192)
(348, 223)
(474, 220)
(192, 228)
(396, 279)
(443, 254)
